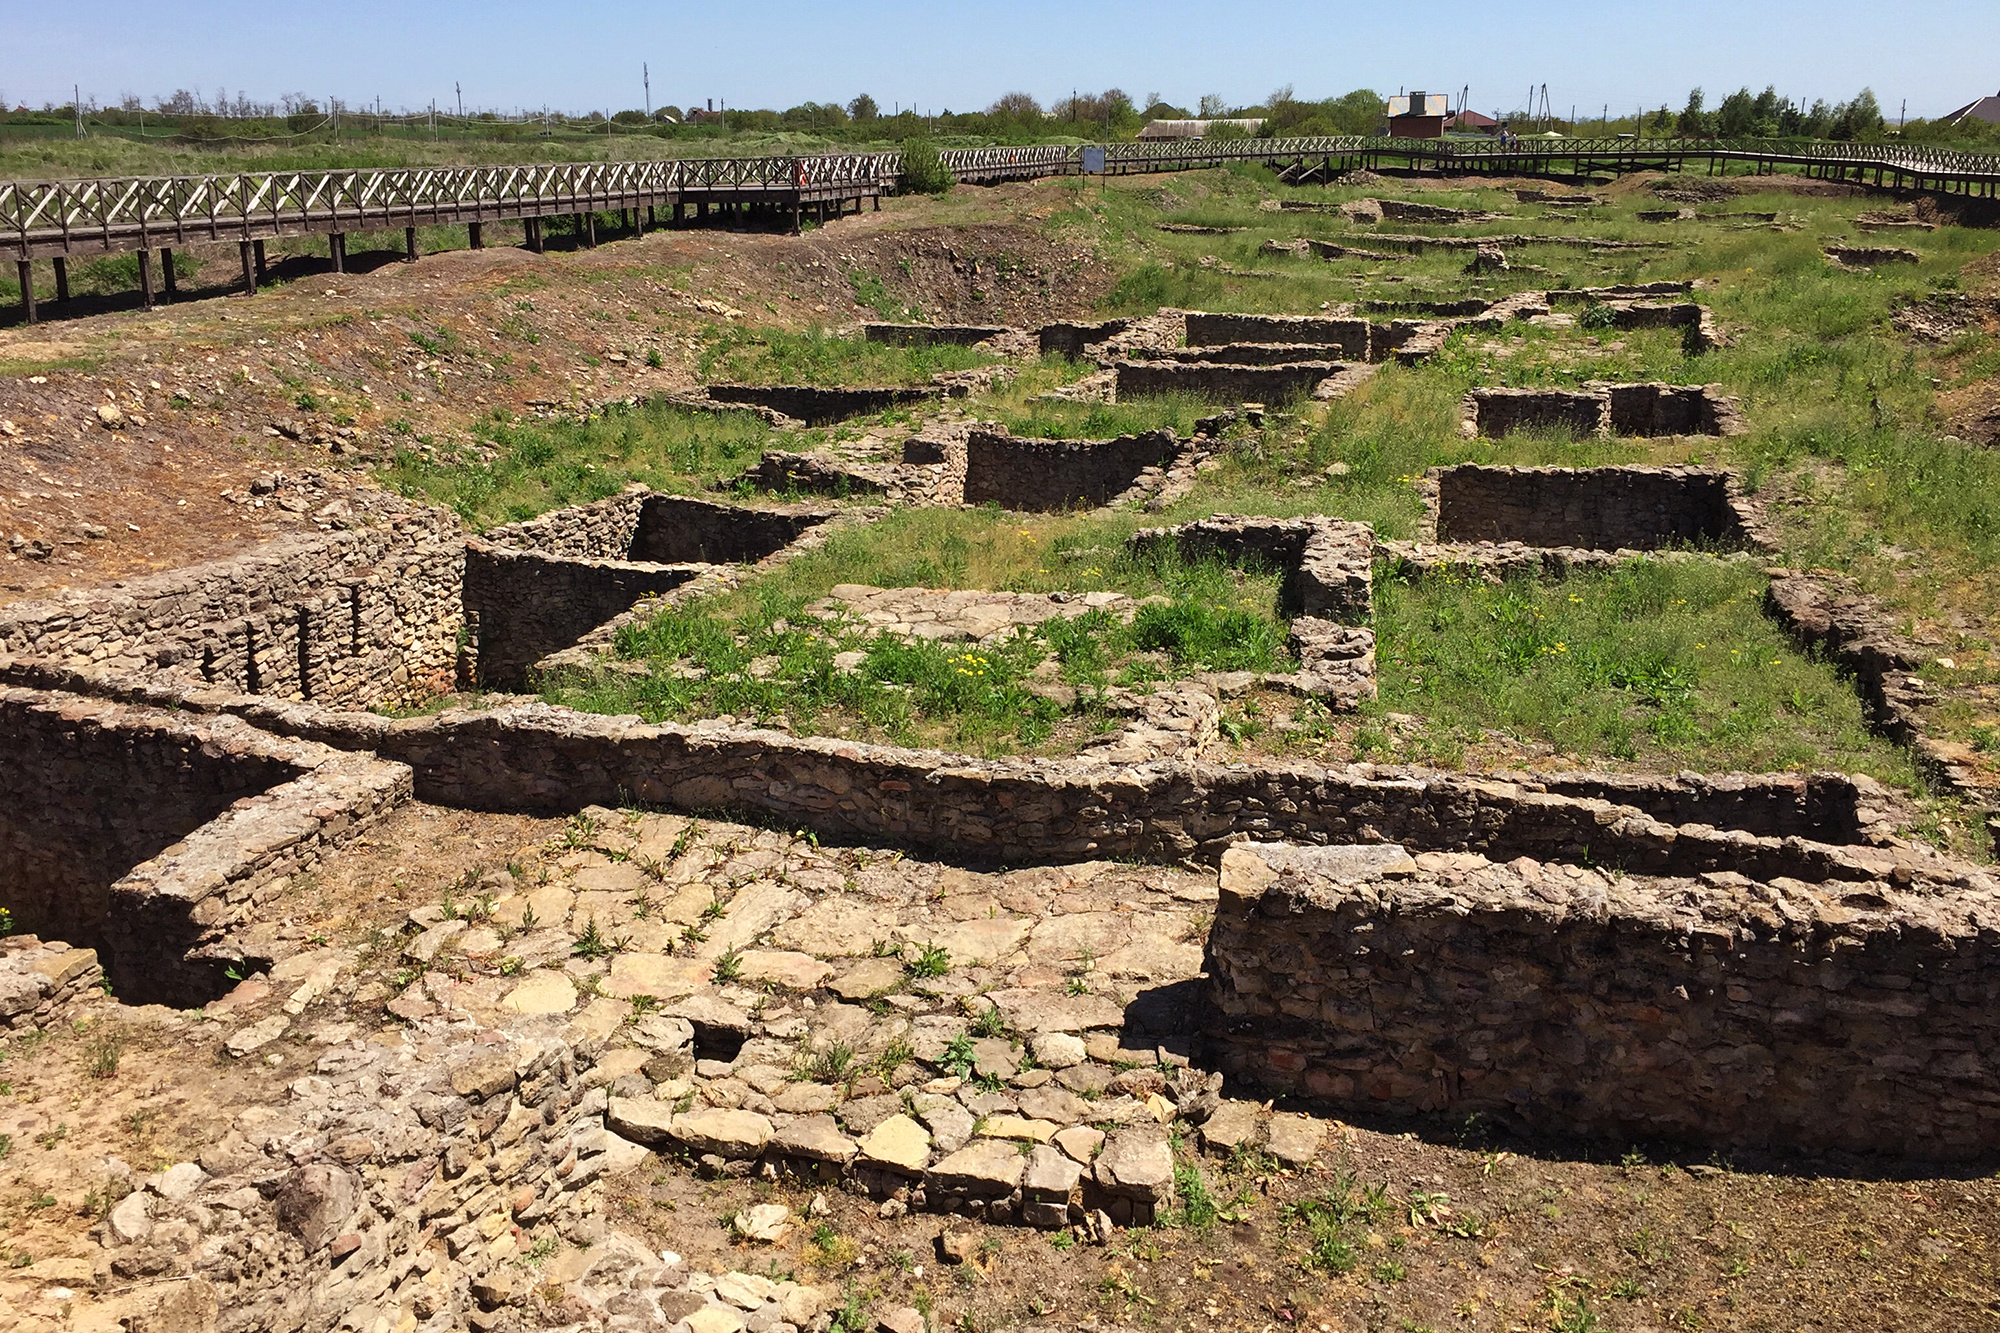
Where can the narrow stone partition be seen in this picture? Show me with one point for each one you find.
(816, 405)
(1048, 475)
(1603, 508)
(1335, 333)
(932, 335)
(154, 837)
(1599, 409)
(1071, 340)
(1559, 1001)
(1224, 383)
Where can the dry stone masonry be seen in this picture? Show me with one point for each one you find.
(1606, 508)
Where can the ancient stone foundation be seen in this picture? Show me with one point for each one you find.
(1048, 475)
(153, 837)
(817, 406)
(1348, 338)
(1558, 1001)
(1600, 409)
(521, 606)
(1608, 508)
(932, 335)
(1224, 383)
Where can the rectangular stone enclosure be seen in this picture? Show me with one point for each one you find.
(1600, 409)
(1047, 475)
(1600, 508)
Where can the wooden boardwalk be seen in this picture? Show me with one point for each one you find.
(60, 220)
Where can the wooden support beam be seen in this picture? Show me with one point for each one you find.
(336, 247)
(476, 232)
(62, 278)
(409, 245)
(257, 247)
(244, 251)
(590, 230)
(167, 272)
(26, 272)
(146, 278)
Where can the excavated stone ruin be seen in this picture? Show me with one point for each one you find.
(1602, 508)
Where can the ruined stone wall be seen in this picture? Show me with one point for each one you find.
(1564, 1002)
(1049, 475)
(818, 406)
(1608, 508)
(1347, 336)
(1071, 340)
(153, 836)
(601, 530)
(931, 335)
(520, 606)
(1223, 383)
(360, 616)
(679, 529)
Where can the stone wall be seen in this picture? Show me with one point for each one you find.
(360, 616)
(1559, 1001)
(533, 757)
(932, 335)
(818, 406)
(520, 606)
(1071, 340)
(1223, 383)
(152, 836)
(601, 530)
(678, 529)
(1498, 412)
(1607, 508)
(1347, 336)
(1049, 475)
(1327, 563)
(1671, 409)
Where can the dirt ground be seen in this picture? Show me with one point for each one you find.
(396, 354)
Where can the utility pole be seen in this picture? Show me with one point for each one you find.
(76, 96)
(458, 89)
(646, 73)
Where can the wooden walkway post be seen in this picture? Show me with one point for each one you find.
(336, 245)
(246, 251)
(476, 233)
(62, 278)
(26, 272)
(257, 248)
(146, 278)
(409, 245)
(167, 272)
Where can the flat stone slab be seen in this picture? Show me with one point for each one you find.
(961, 615)
(817, 1137)
(1137, 1164)
(899, 1143)
(545, 992)
(730, 1134)
(1296, 1140)
(1233, 1125)
(986, 1167)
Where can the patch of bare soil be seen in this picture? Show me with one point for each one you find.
(334, 372)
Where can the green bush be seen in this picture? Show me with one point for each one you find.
(924, 171)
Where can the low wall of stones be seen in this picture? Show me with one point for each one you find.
(521, 606)
(1071, 340)
(641, 524)
(152, 836)
(360, 616)
(1607, 508)
(1347, 336)
(41, 983)
(817, 406)
(1223, 383)
(1598, 409)
(533, 757)
(1566, 1003)
(932, 335)
(1051, 475)
(1328, 563)
(601, 530)
(785, 472)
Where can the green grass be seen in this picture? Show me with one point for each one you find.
(772, 356)
(541, 465)
(1669, 663)
(758, 653)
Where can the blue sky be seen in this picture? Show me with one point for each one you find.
(509, 54)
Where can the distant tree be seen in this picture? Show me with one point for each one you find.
(1158, 110)
(1694, 123)
(667, 114)
(1212, 106)
(1662, 120)
(1859, 119)
(1768, 110)
(1016, 106)
(630, 118)
(1120, 116)
(1359, 112)
(1737, 116)
(863, 108)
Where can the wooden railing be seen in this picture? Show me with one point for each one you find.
(139, 213)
